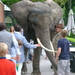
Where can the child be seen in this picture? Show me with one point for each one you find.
(19, 42)
(7, 67)
(31, 51)
(63, 55)
(17, 63)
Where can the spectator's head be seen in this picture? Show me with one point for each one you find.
(59, 27)
(3, 49)
(64, 33)
(19, 42)
(17, 28)
(11, 29)
(22, 31)
(2, 26)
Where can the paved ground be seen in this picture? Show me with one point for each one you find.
(44, 67)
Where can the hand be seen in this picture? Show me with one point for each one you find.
(38, 45)
(13, 58)
(17, 57)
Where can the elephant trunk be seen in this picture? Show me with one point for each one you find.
(44, 36)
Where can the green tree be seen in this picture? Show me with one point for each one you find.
(9, 2)
(61, 2)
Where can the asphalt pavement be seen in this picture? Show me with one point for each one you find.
(44, 66)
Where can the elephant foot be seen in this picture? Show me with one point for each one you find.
(36, 73)
(24, 71)
(55, 74)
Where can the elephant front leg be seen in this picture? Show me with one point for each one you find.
(24, 68)
(36, 60)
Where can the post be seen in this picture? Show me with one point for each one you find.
(70, 3)
(1, 12)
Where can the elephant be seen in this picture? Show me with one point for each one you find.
(38, 20)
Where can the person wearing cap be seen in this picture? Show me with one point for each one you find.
(58, 29)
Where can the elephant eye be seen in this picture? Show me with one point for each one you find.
(35, 21)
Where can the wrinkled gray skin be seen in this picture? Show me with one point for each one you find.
(38, 20)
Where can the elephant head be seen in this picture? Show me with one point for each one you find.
(38, 18)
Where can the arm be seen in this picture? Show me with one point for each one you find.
(28, 45)
(58, 53)
(59, 50)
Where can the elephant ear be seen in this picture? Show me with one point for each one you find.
(57, 11)
(20, 11)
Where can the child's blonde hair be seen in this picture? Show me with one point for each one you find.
(64, 33)
(3, 49)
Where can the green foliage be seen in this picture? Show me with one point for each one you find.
(38, 0)
(61, 2)
(71, 35)
(74, 9)
(71, 40)
(9, 2)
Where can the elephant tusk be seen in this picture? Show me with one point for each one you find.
(52, 47)
(45, 47)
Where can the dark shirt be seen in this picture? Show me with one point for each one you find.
(64, 44)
